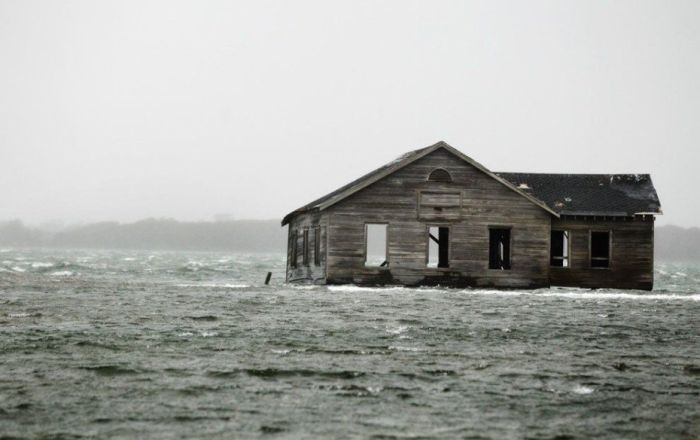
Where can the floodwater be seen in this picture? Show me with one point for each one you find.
(181, 345)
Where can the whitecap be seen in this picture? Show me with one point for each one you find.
(129, 259)
(580, 389)
(215, 285)
(185, 334)
(62, 273)
(304, 287)
(208, 334)
(396, 330)
(39, 264)
(353, 288)
(588, 295)
(402, 348)
(19, 315)
(280, 351)
(18, 269)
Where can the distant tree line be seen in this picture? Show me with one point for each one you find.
(165, 234)
(672, 242)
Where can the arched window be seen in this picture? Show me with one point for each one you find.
(440, 175)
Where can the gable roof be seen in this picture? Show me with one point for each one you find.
(591, 194)
(395, 165)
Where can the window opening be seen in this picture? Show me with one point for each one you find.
(317, 246)
(440, 175)
(600, 248)
(499, 248)
(438, 246)
(293, 250)
(305, 254)
(376, 245)
(559, 252)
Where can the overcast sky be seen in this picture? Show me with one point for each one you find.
(120, 110)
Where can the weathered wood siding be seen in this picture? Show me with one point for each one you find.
(409, 204)
(632, 254)
(310, 272)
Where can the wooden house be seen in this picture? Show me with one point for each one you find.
(435, 216)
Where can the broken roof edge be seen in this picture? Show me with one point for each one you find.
(399, 163)
(500, 179)
(622, 179)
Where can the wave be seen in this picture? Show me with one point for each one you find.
(24, 315)
(589, 295)
(111, 370)
(577, 294)
(215, 285)
(271, 373)
(351, 288)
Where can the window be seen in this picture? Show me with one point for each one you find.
(317, 246)
(600, 248)
(499, 248)
(376, 245)
(305, 254)
(293, 249)
(559, 251)
(438, 246)
(440, 175)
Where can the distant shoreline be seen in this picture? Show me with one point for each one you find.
(672, 243)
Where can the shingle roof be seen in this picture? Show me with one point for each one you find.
(591, 194)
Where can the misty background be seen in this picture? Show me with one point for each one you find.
(120, 111)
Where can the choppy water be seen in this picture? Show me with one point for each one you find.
(170, 345)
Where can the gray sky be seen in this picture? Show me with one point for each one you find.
(128, 109)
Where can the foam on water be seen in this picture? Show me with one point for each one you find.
(215, 285)
(589, 295)
(580, 389)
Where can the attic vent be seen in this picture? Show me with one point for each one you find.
(440, 175)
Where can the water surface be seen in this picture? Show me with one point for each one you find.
(181, 345)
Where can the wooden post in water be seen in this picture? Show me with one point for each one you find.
(267, 278)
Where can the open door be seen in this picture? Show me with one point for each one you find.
(438, 246)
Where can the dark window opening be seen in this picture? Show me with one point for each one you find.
(293, 249)
(440, 175)
(305, 254)
(600, 249)
(499, 249)
(438, 246)
(376, 245)
(559, 252)
(317, 246)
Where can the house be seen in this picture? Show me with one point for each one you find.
(435, 216)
